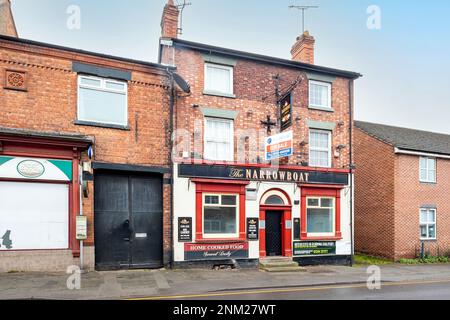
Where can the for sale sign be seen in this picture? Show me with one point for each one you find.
(279, 146)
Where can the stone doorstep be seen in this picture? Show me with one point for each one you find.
(280, 264)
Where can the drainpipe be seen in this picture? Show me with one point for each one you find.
(350, 90)
(172, 169)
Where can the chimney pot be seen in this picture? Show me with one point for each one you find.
(169, 20)
(303, 49)
(7, 25)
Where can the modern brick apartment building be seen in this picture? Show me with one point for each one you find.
(81, 133)
(231, 203)
(402, 192)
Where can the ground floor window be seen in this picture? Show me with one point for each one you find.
(220, 210)
(320, 213)
(427, 224)
(320, 216)
(220, 215)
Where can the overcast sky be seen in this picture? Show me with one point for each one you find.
(406, 63)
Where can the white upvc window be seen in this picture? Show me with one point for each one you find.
(219, 139)
(320, 216)
(102, 100)
(427, 169)
(219, 79)
(319, 94)
(427, 224)
(320, 148)
(220, 216)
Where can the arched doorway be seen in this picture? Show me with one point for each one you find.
(276, 224)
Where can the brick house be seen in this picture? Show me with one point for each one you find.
(402, 185)
(232, 202)
(81, 133)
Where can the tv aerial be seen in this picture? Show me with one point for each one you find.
(303, 9)
(181, 8)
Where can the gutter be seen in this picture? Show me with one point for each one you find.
(265, 59)
(418, 153)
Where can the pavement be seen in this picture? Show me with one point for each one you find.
(168, 284)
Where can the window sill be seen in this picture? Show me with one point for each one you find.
(428, 182)
(101, 125)
(321, 108)
(226, 240)
(429, 240)
(321, 238)
(218, 94)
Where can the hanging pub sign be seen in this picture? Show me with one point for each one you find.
(314, 248)
(184, 229)
(279, 146)
(286, 111)
(263, 174)
(252, 229)
(216, 251)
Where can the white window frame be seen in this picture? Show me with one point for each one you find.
(323, 84)
(428, 169)
(329, 149)
(223, 67)
(220, 235)
(321, 234)
(428, 224)
(230, 157)
(103, 82)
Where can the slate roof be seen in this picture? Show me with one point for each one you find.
(408, 139)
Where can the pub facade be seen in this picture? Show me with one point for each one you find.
(262, 155)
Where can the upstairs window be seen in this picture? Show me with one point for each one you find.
(102, 101)
(319, 94)
(428, 224)
(219, 139)
(427, 169)
(218, 79)
(320, 148)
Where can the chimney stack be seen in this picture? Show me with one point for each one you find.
(169, 21)
(303, 49)
(7, 25)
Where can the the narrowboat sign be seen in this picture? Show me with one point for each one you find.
(225, 251)
(261, 174)
(286, 112)
(314, 248)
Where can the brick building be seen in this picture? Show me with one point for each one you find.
(231, 203)
(81, 133)
(402, 185)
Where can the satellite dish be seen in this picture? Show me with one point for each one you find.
(181, 83)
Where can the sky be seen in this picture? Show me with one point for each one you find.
(405, 62)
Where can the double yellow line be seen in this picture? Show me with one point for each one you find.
(303, 289)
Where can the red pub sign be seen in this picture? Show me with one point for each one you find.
(200, 251)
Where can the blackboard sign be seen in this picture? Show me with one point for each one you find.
(314, 248)
(286, 111)
(297, 227)
(184, 229)
(252, 228)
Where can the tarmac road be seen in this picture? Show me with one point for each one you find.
(412, 290)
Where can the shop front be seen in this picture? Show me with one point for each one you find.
(39, 201)
(239, 214)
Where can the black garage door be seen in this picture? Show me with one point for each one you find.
(128, 221)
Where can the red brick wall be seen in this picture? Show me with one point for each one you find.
(410, 196)
(50, 104)
(254, 87)
(374, 196)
